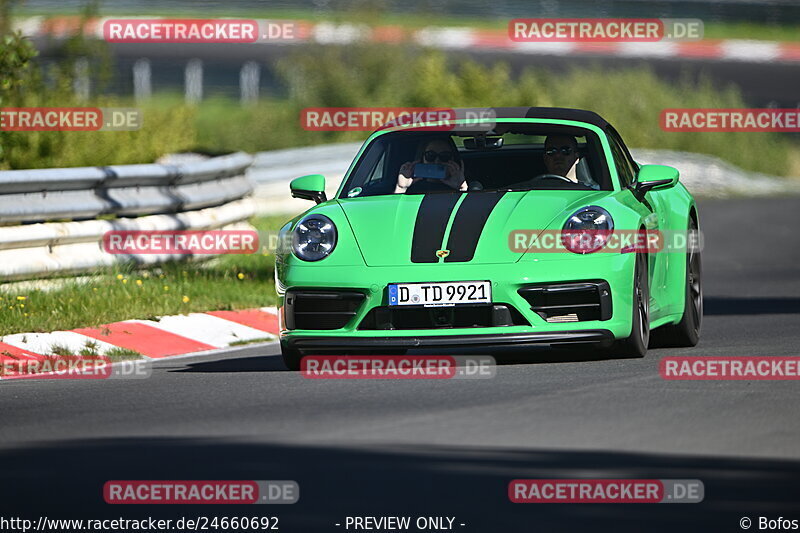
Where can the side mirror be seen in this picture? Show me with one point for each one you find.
(310, 187)
(655, 177)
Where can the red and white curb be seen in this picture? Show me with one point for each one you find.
(166, 337)
(469, 38)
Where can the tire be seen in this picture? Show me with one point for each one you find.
(686, 333)
(636, 344)
(291, 357)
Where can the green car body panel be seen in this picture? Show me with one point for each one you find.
(375, 236)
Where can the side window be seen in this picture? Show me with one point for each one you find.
(377, 172)
(369, 167)
(626, 168)
(625, 150)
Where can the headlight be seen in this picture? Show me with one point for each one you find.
(314, 238)
(587, 230)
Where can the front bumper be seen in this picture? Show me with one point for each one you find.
(507, 279)
(444, 341)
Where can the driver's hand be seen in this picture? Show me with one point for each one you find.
(405, 177)
(455, 175)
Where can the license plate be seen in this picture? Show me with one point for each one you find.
(442, 294)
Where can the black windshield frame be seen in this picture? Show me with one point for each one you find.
(385, 149)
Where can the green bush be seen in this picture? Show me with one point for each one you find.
(364, 75)
(17, 74)
(631, 99)
(164, 130)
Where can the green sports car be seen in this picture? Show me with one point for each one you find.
(514, 230)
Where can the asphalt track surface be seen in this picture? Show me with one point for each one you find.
(448, 448)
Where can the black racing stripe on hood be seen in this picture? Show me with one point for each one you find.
(434, 212)
(468, 225)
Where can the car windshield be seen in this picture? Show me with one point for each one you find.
(517, 157)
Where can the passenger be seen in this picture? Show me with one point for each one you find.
(442, 151)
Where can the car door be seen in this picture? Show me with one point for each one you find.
(653, 220)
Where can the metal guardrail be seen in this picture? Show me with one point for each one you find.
(122, 190)
(49, 218)
(272, 171)
(325, 159)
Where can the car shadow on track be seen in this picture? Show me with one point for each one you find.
(523, 355)
(720, 305)
(257, 363)
(503, 356)
(468, 482)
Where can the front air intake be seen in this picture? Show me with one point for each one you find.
(458, 316)
(320, 309)
(569, 302)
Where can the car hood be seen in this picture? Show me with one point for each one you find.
(474, 227)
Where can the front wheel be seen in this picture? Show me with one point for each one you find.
(636, 344)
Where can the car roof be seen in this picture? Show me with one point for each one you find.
(560, 113)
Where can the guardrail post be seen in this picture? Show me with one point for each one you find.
(249, 78)
(81, 84)
(193, 80)
(142, 86)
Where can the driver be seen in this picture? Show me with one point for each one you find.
(442, 151)
(560, 156)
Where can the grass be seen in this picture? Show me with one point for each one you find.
(120, 354)
(713, 30)
(90, 349)
(60, 356)
(251, 341)
(228, 283)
